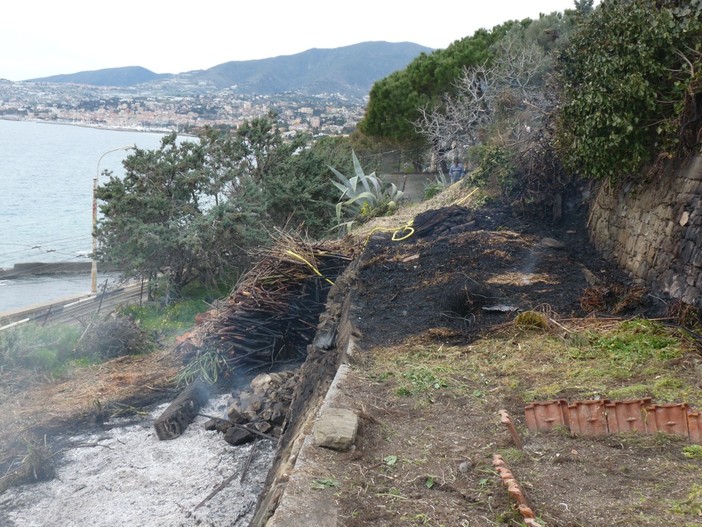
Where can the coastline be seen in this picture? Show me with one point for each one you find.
(97, 126)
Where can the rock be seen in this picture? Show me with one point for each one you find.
(684, 218)
(235, 414)
(211, 425)
(261, 382)
(465, 466)
(552, 243)
(223, 426)
(263, 427)
(236, 436)
(336, 429)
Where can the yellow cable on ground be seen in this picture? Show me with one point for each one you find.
(395, 232)
(311, 266)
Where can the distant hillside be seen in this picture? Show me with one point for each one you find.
(121, 77)
(349, 70)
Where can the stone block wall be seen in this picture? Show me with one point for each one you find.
(654, 230)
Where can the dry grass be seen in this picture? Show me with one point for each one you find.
(431, 426)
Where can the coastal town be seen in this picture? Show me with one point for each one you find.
(179, 104)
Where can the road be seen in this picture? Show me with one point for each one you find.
(75, 309)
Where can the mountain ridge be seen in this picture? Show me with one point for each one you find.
(349, 69)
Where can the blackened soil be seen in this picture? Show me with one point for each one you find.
(471, 270)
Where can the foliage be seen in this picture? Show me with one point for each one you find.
(508, 95)
(436, 185)
(302, 195)
(692, 451)
(499, 113)
(631, 85)
(394, 101)
(494, 165)
(175, 317)
(113, 336)
(637, 341)
(207, 366)
(35, 347)
(363, 196)
(190, 211)
(155, 218)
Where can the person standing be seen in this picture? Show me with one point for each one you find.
(456, 171)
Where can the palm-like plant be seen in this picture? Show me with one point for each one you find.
(363, 196)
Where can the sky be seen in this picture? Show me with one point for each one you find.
(39, 38)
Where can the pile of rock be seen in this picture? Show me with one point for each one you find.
(260, 409)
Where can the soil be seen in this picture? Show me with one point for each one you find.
(424, 450)
(430, 426)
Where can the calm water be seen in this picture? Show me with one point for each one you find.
(46, 182)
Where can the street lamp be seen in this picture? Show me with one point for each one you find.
(93, 272)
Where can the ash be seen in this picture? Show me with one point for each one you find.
(126, 476)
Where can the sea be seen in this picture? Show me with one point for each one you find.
(46, 196)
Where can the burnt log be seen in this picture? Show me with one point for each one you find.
(181, 412)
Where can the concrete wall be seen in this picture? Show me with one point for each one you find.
(654, 230)
(412, 184)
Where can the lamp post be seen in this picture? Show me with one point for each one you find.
(93, 271)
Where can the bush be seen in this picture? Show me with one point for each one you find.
(631, 86)
(31, 346)
(113, 336)
(363, 196)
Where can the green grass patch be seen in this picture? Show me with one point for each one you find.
(167, 320)
(692, 504)
(421, 371)
(692, 451)
(635, 359)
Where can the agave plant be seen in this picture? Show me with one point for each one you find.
(363, 196)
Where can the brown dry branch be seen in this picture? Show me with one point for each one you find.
(272, 313)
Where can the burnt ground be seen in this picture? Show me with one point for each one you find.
(462, 263)
(439, 355)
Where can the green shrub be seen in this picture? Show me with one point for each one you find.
(363, 196)
(31, 346)
(630, 76)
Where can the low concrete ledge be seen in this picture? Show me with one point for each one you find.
(298, 504)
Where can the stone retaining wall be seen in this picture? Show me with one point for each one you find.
(654, 230)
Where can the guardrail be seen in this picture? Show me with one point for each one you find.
(77, 309)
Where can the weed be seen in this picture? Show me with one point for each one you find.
(421, 519)
(390, 461)
(325, 483)
(113, 336)
(33, 347)
(692, 504)
(167, 320)
(423, 379)
(402, 391)
(692, 451)
(531, 320)
(513, 455)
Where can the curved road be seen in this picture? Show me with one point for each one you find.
(77, 309)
